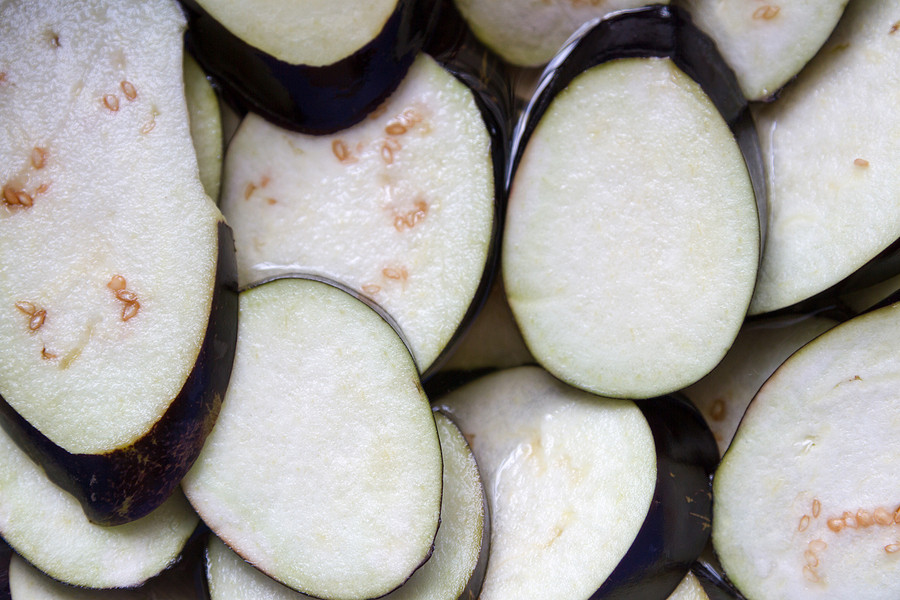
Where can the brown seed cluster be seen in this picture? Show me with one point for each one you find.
(130, 300)
(13, 195)
(111, 101)
(413, 217)
(863, 518)
(767, 12)
(36, 315)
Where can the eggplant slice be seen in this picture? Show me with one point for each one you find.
(48, 527)
(831, 143)
(528, 33)
(454, 571)
(117, 332)
(632, 234)
(332, 90)
(766, 44)
(590, 497)
(324, 468)
(806, 498)
(401, 207)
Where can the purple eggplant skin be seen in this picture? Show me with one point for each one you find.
(5, 557)
(678, 525)
(652, 31)
(128, 483)
(458, 51)
(712, 578)
(313, 100)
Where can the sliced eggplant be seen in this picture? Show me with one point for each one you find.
(766, 44)
(590, 497)
(316, 68)
(632, 234)
(806, 498)
(831, 143)
(324, 468)
(206, 125)
(760, 348)
(454, 571)
(401, 207)
(117, 307)
(28, 583)
(530, 32)
(47, 526)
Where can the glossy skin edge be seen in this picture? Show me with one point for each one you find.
(677, 526)
(315, 100)
(456, 49)
(650, 32)
(126, 484)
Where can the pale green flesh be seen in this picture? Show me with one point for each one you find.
(569, 478)
(95, 131)
(529, 32)
(399, 207)
(27, 583)
(48, 527)
(206, 125)
(324, 468)
(759, 349)
(819, 442)
(632, 238)
(314, 32)
(443, 577)
(766, 44)
(831, 146)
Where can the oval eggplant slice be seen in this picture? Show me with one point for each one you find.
(454, 571)
(806, 498)
(834, 219)
(590, 497)
(117, 331)
(324, 468)
(632, 234)
(402, 207)
(308, 96)
(760, 348)
(529, 32)
(766, 44)
(47, 526)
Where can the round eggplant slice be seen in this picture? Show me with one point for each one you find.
(47, 526)
(632, 234)
(766, 44)
(590, 497)
(206, 126)
(316, 68)
(530, 32)
(806, 498)
(117, 330)
(324, 468)
(401, 207)
(759, 349)
(454, 571)
(834, 219)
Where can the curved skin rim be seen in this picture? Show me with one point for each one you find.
(650, 32)
(677, 526)
(476, 579)
(127, 483)
(5, 557)
(314, 100)
(467, 59)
